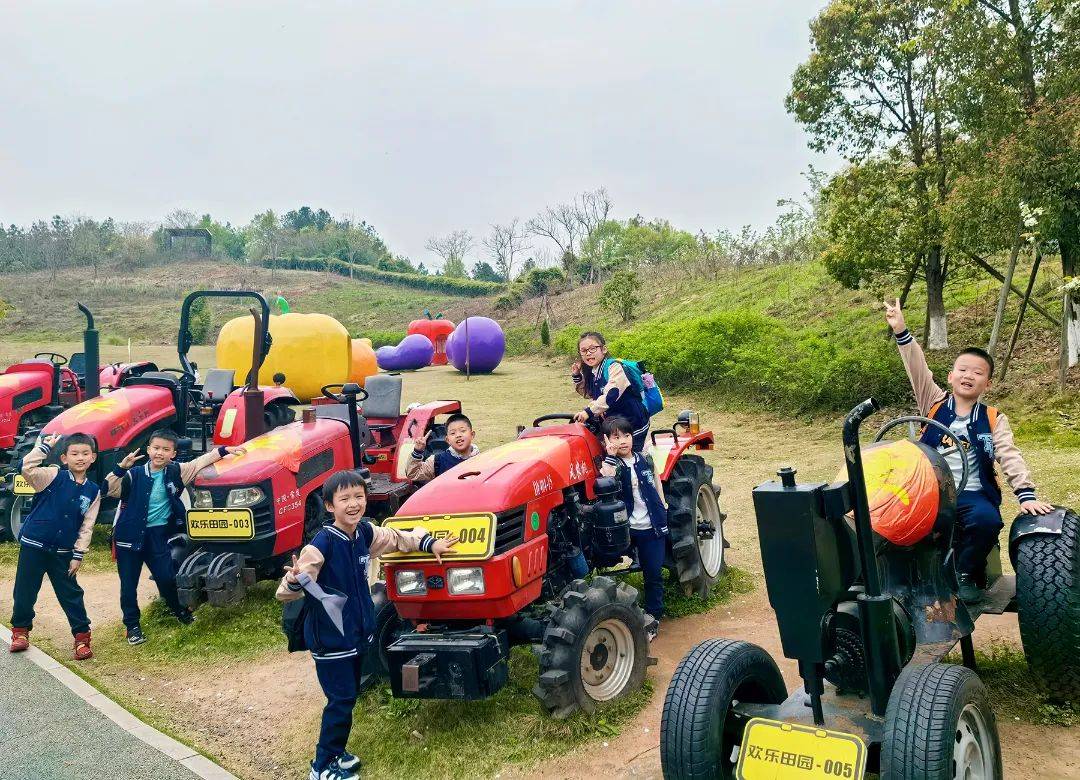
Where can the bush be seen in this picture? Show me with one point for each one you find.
(545, 334)
(443, 284)
(382, 338)
(519, 341)
(507, 301)
(540, 281)
(201, 321)
(619, 294)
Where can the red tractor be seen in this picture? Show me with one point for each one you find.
(123, 419)
(250, 513)
(522, 512)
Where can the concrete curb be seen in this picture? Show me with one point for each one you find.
(163, 743)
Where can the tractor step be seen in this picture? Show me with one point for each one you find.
(998, 598)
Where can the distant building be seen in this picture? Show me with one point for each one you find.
(197, 241)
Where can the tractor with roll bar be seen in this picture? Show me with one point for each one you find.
(869, 622)
(205, 415)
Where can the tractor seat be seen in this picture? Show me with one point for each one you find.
(384, 397)
(77, 363)
(219, 383)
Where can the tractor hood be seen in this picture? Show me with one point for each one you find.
(117, 418)
(285, 448)
(508, 476)
(20, 379)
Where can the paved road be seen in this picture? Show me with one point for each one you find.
(50, 732)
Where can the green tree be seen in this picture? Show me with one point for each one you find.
(454, 267)
(619, 294)
(483, 272)
(545, 333)
(201, 321)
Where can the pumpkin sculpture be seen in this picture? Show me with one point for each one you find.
(437, 331)
(311, 350)
(364, 363)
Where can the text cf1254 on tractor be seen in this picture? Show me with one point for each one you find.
(249, 514)
(123, 419)
(525, 513)
(869, 620)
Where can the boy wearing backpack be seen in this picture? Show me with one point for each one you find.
(336, 560)
(984, 435)
(614, 387)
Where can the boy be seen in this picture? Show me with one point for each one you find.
(459, 435)
(984, 435)
(56, 536)
(643, 495)
(279, 379)
(337, 558)
(152, 505)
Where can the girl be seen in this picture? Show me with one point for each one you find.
(602, 380)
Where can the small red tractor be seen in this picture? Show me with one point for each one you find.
(249, 514)
(147, 400)
(34, 391)
(524, 512)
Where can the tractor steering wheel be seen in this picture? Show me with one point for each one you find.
(340, 399)
(55, 357)
(179, 371)
(593, 424)
(914, 435)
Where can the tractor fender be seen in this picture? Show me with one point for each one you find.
(666, 447)
(1030, 525)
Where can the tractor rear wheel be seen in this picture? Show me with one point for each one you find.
(699, 737)
(594, 647)
(939, 725)
(696, 526)
(1048, 600)
(13, 508)
(314, 516)
(278, 414)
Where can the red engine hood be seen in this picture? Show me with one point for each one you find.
(117, 418)
(508, 476)
(19, 379)
(282, 448)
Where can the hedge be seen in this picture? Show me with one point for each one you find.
(443, 284)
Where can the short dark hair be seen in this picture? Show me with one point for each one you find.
(340, 480)
(458, 417)
(279, 378)
(166, 435)
(617, 424)
(979, 352)
(79, 438)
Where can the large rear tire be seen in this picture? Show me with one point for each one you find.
(1048, 598)
(699, 738)
(594, 650)
(696, 526)
(939, 726)
(13, 508)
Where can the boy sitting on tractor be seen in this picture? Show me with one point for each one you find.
(56, 536)
(151, 496)
(336, 561)
(459, 435)
(983, 433)
(643, 495)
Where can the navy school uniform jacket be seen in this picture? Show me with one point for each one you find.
(649, 486)
(63, 513)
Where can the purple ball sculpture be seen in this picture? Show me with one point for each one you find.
(411, 353)
(486, 346)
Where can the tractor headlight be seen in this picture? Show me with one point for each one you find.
(201, 499)
(248, 496)
(466, 581)
(410, 582)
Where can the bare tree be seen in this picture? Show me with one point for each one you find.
(559, 224)
(591, 210)
(181, 218)
(504, 244)
(451, 247)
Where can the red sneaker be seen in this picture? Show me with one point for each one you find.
(82, 646)
(20, 640)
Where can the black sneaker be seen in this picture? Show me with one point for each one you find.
(135, 636)
(348, 764)
(187, 617)
(969, 592)
(652, 627)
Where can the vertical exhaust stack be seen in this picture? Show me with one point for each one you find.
(91, 349)
(254, 400)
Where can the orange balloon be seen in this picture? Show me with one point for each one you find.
(363, 361)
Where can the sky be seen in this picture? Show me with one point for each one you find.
(419, 117)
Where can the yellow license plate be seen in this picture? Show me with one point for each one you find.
(475, 534)
(21, 487)
(220, 524)
(772, 750)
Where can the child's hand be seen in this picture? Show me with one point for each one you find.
(442, 547)
(129, 459)
(1036, 508)
(894, 316)
(576, 368)
(292, 572)
(74, 566)
(611, 447)
(420, 442)
(51, 439)
(236, 450)
(581, 416)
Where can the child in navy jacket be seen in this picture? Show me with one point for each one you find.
(151, 512)
(55, 537)
(643, 494)
(337, 559)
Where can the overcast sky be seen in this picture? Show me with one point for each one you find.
(421, 117)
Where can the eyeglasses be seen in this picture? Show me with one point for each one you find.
(590, 350)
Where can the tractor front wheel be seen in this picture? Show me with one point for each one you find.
(696, 526)
(939, 725)
(594, 648)
(13, 511)
(699, 734)
(1048, 600)
(388, 627)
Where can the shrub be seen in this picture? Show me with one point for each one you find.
(519, 341)
(619, 294)
(201, 321)
(383, 338)
(443, 284)
(507, 301)
(545, 334)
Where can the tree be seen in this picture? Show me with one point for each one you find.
(454, 268)
(619, 294)
(452, 249)
(483, 272)
(504, 244)
(181, 218)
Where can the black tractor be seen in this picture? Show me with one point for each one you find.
(869, 622)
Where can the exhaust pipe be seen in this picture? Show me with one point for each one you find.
(91, 349)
